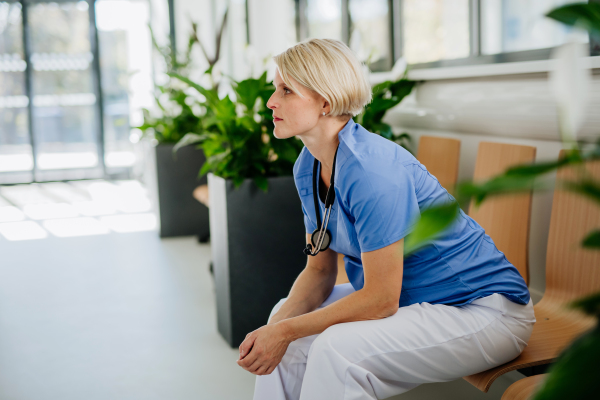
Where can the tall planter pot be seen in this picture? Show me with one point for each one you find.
(257, 240)
(177, 176)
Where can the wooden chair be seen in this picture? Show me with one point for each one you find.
(571, 272)
(505, 218)
(440, 156)
(523, 389)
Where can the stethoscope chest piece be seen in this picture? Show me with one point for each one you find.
(314, 239)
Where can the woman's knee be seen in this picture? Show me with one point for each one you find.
(336, 341)
(277, 307)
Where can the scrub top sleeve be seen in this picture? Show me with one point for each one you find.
(382, 200)
(308, 224)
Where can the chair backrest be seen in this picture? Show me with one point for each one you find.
(571, 270)
(505, 218)
(440, 156)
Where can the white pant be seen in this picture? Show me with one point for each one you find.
(377, 359)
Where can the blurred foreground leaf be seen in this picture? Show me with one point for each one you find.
(592, 240)
(575, 373)
(584, 15)
(589, 304)
(433, 221)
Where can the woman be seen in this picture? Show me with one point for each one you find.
(453, 308)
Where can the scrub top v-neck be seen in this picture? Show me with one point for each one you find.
(381, 190)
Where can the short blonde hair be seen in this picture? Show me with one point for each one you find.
(331, 69)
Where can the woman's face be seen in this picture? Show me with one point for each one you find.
(292, 114)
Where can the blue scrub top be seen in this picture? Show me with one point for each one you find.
(380, 190)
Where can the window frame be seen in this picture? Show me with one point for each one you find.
(475, 57)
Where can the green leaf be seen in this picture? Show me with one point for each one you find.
(589, 304)
(432, 222)
(211, 95)
(586, 16)
(190, 138)
(586, 187)
(262, 183)
(529, 170)
(592, 240)
(497, 185)
(575, 373)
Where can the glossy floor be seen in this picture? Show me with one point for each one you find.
(125, 316)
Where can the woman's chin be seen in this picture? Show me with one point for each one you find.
(279, 135)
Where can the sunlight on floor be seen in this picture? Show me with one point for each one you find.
(78, 208)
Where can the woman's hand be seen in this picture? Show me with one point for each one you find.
(263, 349)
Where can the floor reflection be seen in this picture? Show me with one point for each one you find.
(78, 208)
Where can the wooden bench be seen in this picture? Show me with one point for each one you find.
(523, 389)
(571, 272)
(505, 218)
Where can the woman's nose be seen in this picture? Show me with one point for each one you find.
(270, 104)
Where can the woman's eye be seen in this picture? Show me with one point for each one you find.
(284, 89)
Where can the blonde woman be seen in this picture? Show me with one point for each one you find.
(454, 308)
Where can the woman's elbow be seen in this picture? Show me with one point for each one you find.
(387, 308)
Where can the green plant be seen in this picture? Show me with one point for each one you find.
(240, 145)
(575, 374)
(237, 135)
(178, 113)
(385, 96)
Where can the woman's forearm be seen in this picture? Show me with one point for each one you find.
(309, 291)
(359, 306)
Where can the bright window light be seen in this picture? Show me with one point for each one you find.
(16, 162)
(120, 159)
(21, 195)
(24, 230)
(52, 210)
(10, 214)
(130, 223)
(64, 191)
(86, 159)
(94, 208)
(70, 227)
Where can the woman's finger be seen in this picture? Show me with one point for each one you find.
(255, 366)
(261, 370)
(249, 359)
(246, 346)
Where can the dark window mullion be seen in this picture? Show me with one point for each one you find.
(97, 85)
(345, 22)
(475, 27)
(28, 85)
(301, 20)
(396, 29)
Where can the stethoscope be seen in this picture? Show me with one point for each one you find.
(321, 237)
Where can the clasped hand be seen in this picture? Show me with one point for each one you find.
(262, 349)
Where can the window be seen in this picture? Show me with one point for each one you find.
(15, 148)
(324, 19)
(431, 33)
(517, 25)
(370, 27)
(435, 30)
(72, 76)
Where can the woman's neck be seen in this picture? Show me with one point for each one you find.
(322, 142)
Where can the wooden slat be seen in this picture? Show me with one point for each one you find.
(440, 156)
(505, 218)
(571, 272)
(523, 389)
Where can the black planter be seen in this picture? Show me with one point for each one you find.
(257, 240)
(177, 175)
